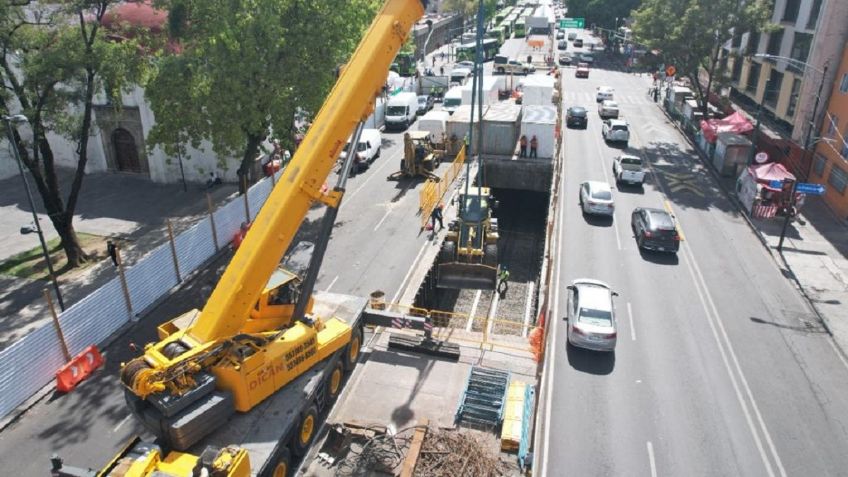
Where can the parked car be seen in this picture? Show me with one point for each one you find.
(604, 93)
(616, 130)
(591, 315)
(608, 109)
(562, 45)
(628, 168)
(596, 198)
(572, 36)
(565, 59)
(587, 58)
(425, 103)
(582, 71)
(655, 229)
(367, 149)
(576, 116)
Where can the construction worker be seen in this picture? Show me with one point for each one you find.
(523, 143)
(534, 144)
(503, 278)
(436, 216)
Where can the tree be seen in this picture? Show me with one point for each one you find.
(691, 34)
(469, 7)
(55, 60)
(247, 68)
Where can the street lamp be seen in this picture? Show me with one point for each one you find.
(18, 119)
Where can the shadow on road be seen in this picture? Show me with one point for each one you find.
(592, 362)
(660, 258)
(598, 220)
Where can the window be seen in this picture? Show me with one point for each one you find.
(736, 74)
(790, 12)
(814, 15)
(800, 50)
(736, 40)
(753, 77)
(775, 39)
(819, 162)
(793, 97)
(838, 179)
(772, 88)
(753, 42)
(843, 86)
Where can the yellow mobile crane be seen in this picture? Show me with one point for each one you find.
(238, 351)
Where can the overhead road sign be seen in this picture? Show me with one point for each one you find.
(572, 22)
(809, 189)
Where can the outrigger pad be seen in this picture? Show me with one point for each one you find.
(467, 276)
(419, 344)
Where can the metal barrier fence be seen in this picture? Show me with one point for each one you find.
(30, 363)
(433, 192)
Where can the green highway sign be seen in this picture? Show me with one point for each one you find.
(572, 22)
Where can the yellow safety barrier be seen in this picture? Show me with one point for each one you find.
(434, 191)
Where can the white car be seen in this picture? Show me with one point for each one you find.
(591, 315)
(604, 93)
(608, 109)
(628, 168)
(596, 198)
(616, 130)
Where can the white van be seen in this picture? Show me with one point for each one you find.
(452, 99)
(458, 76)
(401, 110)
(368, 148)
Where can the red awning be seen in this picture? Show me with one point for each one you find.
(735, 123)
(763, 174)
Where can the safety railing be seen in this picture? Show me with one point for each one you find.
(434, 191)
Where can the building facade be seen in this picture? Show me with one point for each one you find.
(830, 159)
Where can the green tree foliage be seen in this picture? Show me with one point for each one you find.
(246, 67)
(602, 13)
(691, 34)
(56, 59)
(469, 7)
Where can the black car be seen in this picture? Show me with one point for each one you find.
(565, 59)
(576, 116)
(425, 103)
(655, 230)
(578, 42)
(562, 45)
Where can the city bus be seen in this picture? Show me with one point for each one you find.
(497, 33)
(468, 51)
(519, 27)
(404, 64)
(507, 28)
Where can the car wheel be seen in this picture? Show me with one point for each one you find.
(377, 154)
(640, 241)
(526, 71)
(501, 70)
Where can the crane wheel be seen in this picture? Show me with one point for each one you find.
(334, 382)
(306, 431)
(282, 466)
(351, 351)
(490, 255)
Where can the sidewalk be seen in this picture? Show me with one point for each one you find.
(129, 207)
(814, 256)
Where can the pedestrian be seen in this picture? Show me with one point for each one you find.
(112, 250)
(443, 56)
(534, 145)
(434, 60)
(442, 70)
(436, 216)
(523, 143)
(503, 282)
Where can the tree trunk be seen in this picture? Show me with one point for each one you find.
(251, 150)
(70, 242)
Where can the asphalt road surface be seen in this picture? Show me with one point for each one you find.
(720, 368)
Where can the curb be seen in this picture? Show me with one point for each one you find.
(735, 201)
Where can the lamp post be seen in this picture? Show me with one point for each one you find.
(18, 119)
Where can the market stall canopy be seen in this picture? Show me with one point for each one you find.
(763, 174)
(735, 123)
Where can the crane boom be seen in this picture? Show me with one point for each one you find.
(349, 102)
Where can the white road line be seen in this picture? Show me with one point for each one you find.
(527, 310)
(607, 180)
(473, 312)
(385, 216)
(493, 313)
(835, 350)
(409, 272)
(123, 421)
(386, 162)
(332, 283)
(630, 315)
(652, 460)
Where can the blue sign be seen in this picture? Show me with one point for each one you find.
(809, 189)
(775, 184)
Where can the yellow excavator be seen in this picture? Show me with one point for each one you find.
(255, 335)
(469, 254)
(420, 157)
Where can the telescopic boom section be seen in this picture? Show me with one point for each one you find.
(272, 232)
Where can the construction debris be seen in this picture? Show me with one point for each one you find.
(460, 453)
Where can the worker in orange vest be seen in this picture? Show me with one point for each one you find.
(534, 143)
(523, 143)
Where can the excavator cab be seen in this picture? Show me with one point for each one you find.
(420, 157)
(469, 255)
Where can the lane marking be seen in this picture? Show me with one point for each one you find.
(527, 310)
(607, 180)
(676, 223)
(652, 460)
(409, 272)
(385, 216)
(120, 424)
(387, 162)
(838, 354)
(473, 310)
(493, 311)
(632, 329)
(332, 283)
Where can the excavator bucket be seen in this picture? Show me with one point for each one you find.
(473, 276)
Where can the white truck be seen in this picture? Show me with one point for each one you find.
(401, 110)
(367, 150)
(435, 123)
(628, 168)
(537, 90)
(504, 65)
(452, 99)
(490, 91)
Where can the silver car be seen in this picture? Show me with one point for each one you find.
(596, 198)
(591, 315)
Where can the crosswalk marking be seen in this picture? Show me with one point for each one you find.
(586, 99)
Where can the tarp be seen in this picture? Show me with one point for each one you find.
(763, 174)
(735, 123)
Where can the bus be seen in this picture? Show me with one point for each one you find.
(519, 28)
(498, 33)
(468, 51)
(404, 64)
(507, 29)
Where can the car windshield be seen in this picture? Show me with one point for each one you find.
(619, 127)
(631, 163)
(579, 112)
(451, 102)
(610, 104)
(422, 100)
(601, 194)
(396, 110)
(595, 317)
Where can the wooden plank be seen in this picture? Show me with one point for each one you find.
(414, 449)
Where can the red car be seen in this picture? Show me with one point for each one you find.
(582, 71)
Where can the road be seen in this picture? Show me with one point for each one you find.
(721, 368)
(374, 244)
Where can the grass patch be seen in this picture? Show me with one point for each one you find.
(31, 265)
